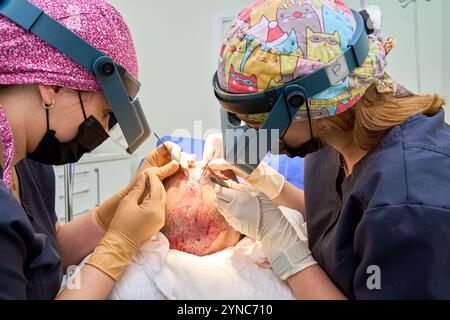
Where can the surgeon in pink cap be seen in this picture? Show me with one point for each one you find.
(68, 71)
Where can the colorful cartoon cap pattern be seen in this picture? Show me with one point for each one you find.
(26, 59)
(273, 42)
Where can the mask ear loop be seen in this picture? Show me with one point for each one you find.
(309, 119)
(48, 107)
(82, 105)
(48, 119)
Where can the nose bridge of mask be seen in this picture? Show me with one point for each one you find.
(91, 134)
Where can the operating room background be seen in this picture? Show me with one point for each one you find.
(177, 51)
(178, 42)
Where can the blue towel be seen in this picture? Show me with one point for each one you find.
(291, 169)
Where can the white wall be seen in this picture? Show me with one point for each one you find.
(446, 53)
(399, 23)
(175, 44)
(174, 41)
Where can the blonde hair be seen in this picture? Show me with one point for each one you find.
(376, 113)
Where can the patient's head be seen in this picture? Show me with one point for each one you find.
(193, 223)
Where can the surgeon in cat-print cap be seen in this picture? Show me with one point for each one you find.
(370, 228)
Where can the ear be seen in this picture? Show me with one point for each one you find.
(309, 32)
(293, 35)
(264, 20)
(48, 93)
(232, 69)
(336, 36)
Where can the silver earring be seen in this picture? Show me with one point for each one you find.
(49, 107)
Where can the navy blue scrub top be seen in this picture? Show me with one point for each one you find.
(30, 265)
(392, 212)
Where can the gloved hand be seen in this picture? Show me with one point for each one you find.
(263, 178)
(187, 160)
(138, 217)
(160, 158)
(252, 213)
(162, 165)
(213, 148)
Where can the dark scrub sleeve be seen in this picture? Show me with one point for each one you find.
(30, 265)
(410, 245)
(13, 253)
(38, 193)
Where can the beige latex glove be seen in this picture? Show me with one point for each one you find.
(263, 178)
(255, 215)
(138, 217)
(163, 167)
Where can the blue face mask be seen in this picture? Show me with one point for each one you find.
(51, 151)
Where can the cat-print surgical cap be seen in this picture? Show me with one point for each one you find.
(273, 42)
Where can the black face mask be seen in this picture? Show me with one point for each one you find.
(306, 148)
(51, 151)
(312, 145)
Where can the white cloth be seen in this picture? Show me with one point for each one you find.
(237, 273)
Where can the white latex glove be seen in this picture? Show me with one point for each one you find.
(264, 177)
(253, 214)
(187, 160)
(213, 148)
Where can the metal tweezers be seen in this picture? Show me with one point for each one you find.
(148, 186)
(209, 161)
